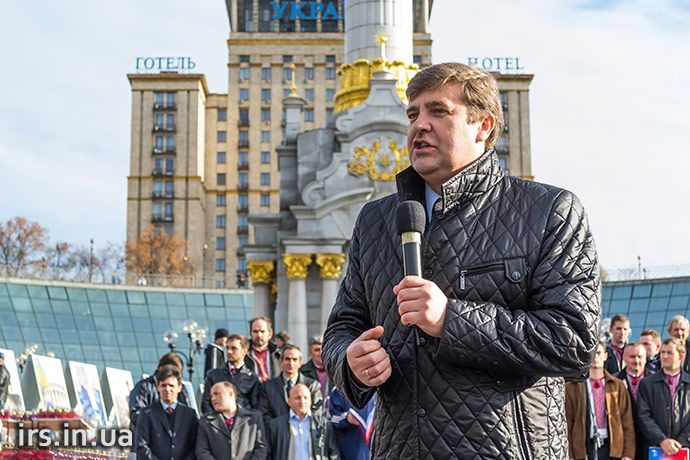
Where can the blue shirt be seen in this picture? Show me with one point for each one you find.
(165, 406)
(431, 198)
(300, 433)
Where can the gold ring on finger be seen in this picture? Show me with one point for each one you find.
(366, 372)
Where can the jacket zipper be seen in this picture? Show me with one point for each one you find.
(477, 271)
(517, 410)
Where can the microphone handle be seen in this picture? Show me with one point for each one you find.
(412, 261)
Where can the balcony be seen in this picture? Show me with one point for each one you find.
(164, 151)
(242, 229)
(168, 106)
(163, 128)
(159, 195)
(243, 143)
(243, 123)
(161, 218)
(243, 166)
(161, 172)
(242, 187)
(243, 208)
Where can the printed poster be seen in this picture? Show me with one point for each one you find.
(656, 453)
(117, 384)
(85, 393)
(43, 384)
(15, 399)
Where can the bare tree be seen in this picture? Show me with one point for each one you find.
(156, 253)
(21, 246)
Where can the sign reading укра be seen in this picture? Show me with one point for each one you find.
(305, 10)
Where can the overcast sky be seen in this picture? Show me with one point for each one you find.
(609, 105)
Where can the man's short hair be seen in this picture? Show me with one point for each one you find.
(290, 346)
(479, 92)
(632, 344)
(227, 385)
(678, 319)
(171, 359)
(284, 336)
(677, 344)
(167, 371)
(220, 333)
(656, 337)
(619, 318)
(257, 318)
(315, 340)
(602, 344)
(244, 341)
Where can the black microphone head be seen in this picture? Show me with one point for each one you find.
(410, 217)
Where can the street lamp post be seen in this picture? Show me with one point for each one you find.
(196, 336)
(91, 262)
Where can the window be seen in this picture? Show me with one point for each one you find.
(244, 117)
(244, 94)
(266, 73)
(307, 25)
(220, 157)
(265, 114)
(169, 143)
(330, 73)
(309, 115)
(244, 157)
(265, 178)
(242, 221)
(266, 94)
(220, 265)
(242, 265)
(265, 157)
(244, 138)
(157, 210)
(244, 179)
(220, 243)
(160, 99)
(501, 145)
(242, 241)
(170, 121)
(220, 221)
(330, 94)
(265, 199)
(330, 58)
(287, 92)
(243, 200)
(417, 59)
(160, 120)
(159, 143)
(220, 199)
(158, 165)
(158, 188)
(244, 73)
(287, 58)
(220, 179)
(169, 189)
(222, 115)
(244, 58)
(167, 229)
(265, 136)
(309, 94)
(168, 210)
(287, 74)
(171, 99)
(221, 136)
(329, 114)
(502, 162)
(308, 73)
(169, 166)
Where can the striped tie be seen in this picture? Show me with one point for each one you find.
(437, 209)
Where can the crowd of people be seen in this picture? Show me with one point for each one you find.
(260, 401)
(637, 396)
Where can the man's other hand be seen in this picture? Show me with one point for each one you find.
(368, 360)
(670, 446)
(421, 303)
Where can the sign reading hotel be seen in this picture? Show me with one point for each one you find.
(165, 63)
(496, 64)
(305, 10)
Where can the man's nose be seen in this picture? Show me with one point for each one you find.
(421, 123)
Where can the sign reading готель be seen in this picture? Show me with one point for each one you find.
(496, 64)
(305, 10)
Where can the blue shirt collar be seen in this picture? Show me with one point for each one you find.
(294, 416)
(165, 406)
(431, 198)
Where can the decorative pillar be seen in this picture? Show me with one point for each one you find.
(331, 266)
(261, 273)
(296, 267)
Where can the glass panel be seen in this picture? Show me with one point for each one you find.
(619, 306)
(42, 305)
(120, 310)
(6, 304)
(77, 294)
(37, 292)
(642, 290)
(84, 322)
(92, 354)
(61, 306)
(95, 295)
(69, 336)
(74, 352)
(637, 320)
(658, 304)
(158, 311)
(57, 292)
(108, 338)
(17, 290)
(13, 333)
(622, 292)
(639, 305)
(142, 325)
(122, 324)
(80, 308)
(112, 355)
(45, 320)
(65, 321)
(606, 293)
(155, 298)
(174, 299)
(126, 339)
(100, 309)
(146, 340)
(116, 296)
(138, 311)
(215, 313)
(233, 300)
(160, 325)
(149, 354)
(21, 304)
(103, 323)
(129, 354)
(681, 288)
(88, 337)
(25, 319)
(136, 297)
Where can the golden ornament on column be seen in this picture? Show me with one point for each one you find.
(330, 264)
(296, 264)
(260, 271)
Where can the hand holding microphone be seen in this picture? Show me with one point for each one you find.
(420, 302)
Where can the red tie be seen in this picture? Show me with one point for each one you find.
(170, 410)
(670, 382)
(233, 371)
(229, 422)
(634, 380)
(596, 384)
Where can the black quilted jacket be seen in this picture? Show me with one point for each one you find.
(517, 261)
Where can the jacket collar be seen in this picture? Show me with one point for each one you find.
(474, 180)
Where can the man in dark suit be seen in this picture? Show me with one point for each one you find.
(620, 332)
(274, 393)
(301, 434)
(635, 358)
(651, 341)
(230, 432)
(263, 356)
(314, 369)
(214, 351)
(167, 430)
(235, 371)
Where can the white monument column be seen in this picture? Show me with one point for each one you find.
(261, 274)
(296, 267)
(331, 266)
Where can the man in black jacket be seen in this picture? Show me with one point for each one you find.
(679, 327)
(263, 356)
(635, 360)
(314, 369)
(651, 340)
(508, 304)
(167, 430)
(667, 389)
(230, 432)
(235, 371)
(214, 351)
(274, 393)
(620, 332)
(301, 433)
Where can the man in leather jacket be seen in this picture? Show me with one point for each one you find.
(508, 305)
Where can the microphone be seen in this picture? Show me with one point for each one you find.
(410, 220)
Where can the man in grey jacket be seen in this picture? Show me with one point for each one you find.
(508, 304)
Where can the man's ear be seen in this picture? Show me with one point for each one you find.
(486, 126)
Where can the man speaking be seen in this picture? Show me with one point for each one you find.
(507, 306)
